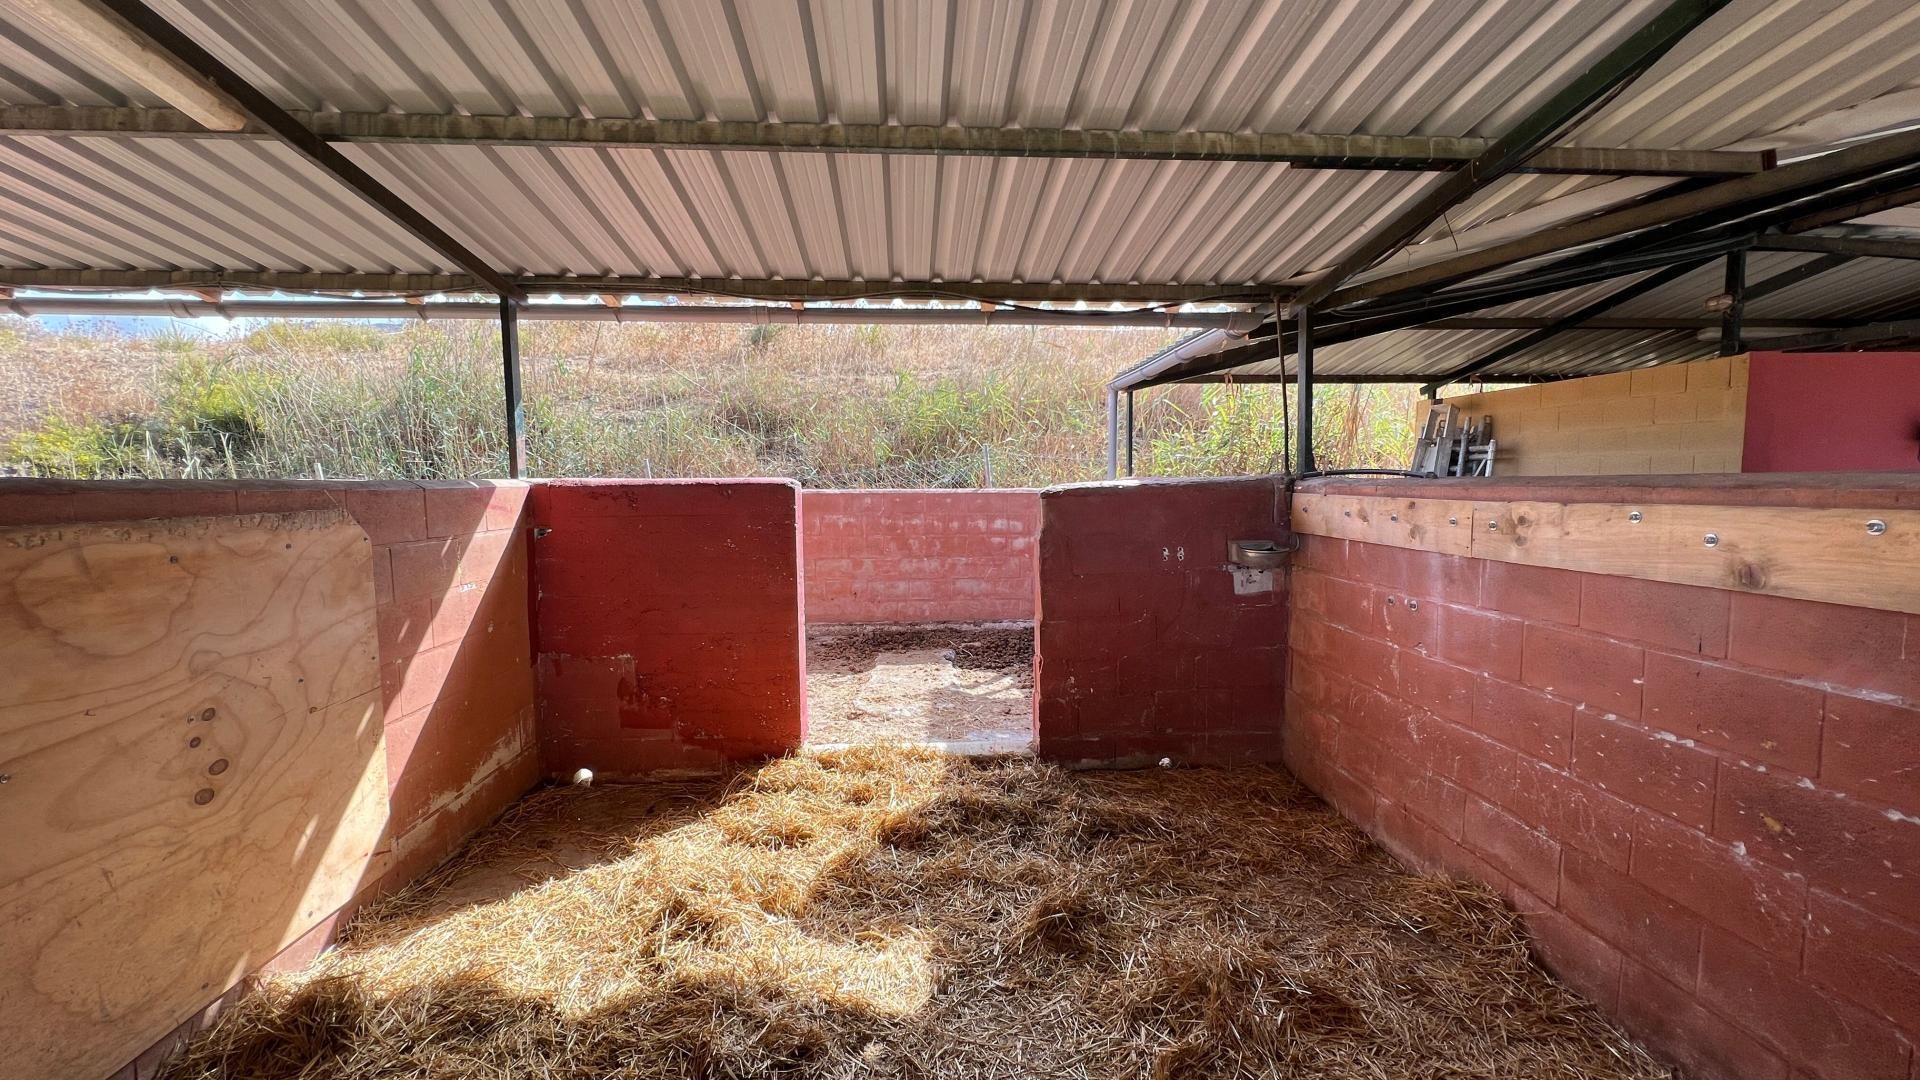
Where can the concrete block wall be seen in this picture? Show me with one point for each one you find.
(1676, 418)
(1703, 802)
(1144, 649)
(450, 579)
(667, 623)
(908, 556)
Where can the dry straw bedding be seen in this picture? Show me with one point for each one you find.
(894, 912)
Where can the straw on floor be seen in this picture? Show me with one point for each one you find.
(894, 912)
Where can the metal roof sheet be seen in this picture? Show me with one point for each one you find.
(1760, 73)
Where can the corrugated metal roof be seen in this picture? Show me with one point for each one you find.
(1390, 67)
(188, 204)
(1863, 289)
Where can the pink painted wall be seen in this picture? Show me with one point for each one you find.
(908, 556)
(667, 629)
(1828, 412)
(1145, 649)
(1701, 801)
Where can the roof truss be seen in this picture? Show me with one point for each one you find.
(1374, 153)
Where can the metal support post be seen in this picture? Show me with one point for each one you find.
(510, 369)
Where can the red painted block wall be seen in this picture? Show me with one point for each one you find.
(450, 580)
(1814, 412)
(909, 556)
(667, 623)
(1144, 650)
(1705, 803)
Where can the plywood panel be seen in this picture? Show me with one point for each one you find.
(195, 774)
(1441, 525)
(1827, 555)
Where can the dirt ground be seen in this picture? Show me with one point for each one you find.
(967, 687)
(892, 912)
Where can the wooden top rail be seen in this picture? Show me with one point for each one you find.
(1860, 556)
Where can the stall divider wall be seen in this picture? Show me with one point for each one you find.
(668, 633)
(449, 569)
(1701, 799)
(919, 555)
(1147, 647)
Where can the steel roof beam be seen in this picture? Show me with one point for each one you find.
(264, 112)
(745, 289)
(1890, 200)
(1507, 153)
(1658, 279)
(1787, 279)
(1860, 247)
(1370, 378)
(1891, 159)
(760, 314)
(1390, 153)
(1629, 322)
(1870, 333)
(1434, 307)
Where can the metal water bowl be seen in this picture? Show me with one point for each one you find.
(1257, 554)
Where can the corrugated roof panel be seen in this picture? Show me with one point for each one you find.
(1058, 221)
(914, 204)
(191, 204)
(860, 194)
(1760, 66)
(631, 229)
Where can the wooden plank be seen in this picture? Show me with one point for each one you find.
(190, 729)
(1441, 525)
(1813, 554)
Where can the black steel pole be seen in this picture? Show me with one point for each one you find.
(1303, 369)
(1736, 303)
(510, 369)
(1129, 433)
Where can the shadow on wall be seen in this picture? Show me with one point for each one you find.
(367, 794)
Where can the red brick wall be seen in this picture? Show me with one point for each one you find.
(450, 577)
(1144, 649)
(901, 556)
(667, 623)
(1704, 802)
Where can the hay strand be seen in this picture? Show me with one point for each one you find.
(894, 912)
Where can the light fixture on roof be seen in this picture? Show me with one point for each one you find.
(104, 36)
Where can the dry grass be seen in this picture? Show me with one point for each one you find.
(832, 406)
(896, 912)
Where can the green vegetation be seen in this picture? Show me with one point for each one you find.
(831, 406)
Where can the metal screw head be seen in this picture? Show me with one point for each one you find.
(1412, 604)
(1493, 526)
(1393, 517)
(1453, 521)
(1711, 539)
(1876, 527)
(1346, 513)
(1634, 517)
